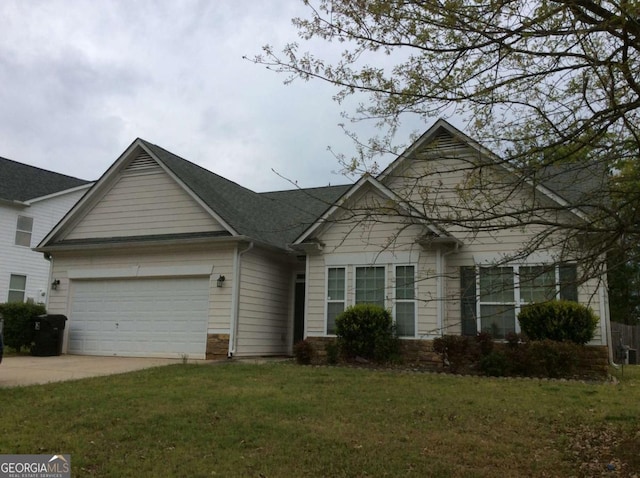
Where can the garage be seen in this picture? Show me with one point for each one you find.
(152, 317)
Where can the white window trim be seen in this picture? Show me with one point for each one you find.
(327, 301)
(414, 300)
(24, 231)
(389, 296)
(24, 292)
(518, 303)
(366, 266)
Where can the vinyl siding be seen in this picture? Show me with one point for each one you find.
(22, 260)
(441, 181)
(94, 264)
(144, 202)
(384, 241)
(265, 304)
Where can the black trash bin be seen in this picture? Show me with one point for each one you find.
(48, 334)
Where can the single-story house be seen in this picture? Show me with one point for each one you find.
(163, 258)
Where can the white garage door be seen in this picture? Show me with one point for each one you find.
(139, 317)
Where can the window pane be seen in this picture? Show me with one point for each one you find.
(23, 231)
(23, 239)
(17, 286)
(496, 284)
(569, 282)
(537, 284)
(498, 320)
(405, 319)
(15, 296)
(333, 310)
(405, 283)
(25, 223)
(370, 285)
(17, 282)
(335, 284)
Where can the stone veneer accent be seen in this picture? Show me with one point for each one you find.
(414, 352)
(593, 362)
(217, 346)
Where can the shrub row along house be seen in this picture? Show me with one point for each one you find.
(163, 258)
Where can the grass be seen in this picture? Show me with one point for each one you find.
(282, 420)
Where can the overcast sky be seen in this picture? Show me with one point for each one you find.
(80, 80)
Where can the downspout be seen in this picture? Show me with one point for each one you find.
(604, 312)
(235, 300)
(49, 258)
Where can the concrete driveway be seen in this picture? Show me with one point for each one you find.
(17, 371)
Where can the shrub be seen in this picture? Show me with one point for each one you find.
(18, 329)
(367, 331)
(458, 352)
(495, 364)
(548, 358)
(559, 321)
(303, 352)
(333, 352)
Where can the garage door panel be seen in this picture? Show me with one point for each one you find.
(139, 317)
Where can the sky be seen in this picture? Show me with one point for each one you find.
(80, 80)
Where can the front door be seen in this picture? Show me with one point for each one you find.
(298, 309)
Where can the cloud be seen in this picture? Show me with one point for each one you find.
(81, 80)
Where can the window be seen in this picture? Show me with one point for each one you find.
(503, 290)
(497, 301)
(405, 301)
(370, 285)
(23, 231)
(17, 288)
(335, 296)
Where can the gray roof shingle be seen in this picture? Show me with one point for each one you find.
(275, 218)
(21, 182)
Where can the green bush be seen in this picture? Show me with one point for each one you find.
(558, 320)
(18, 329)
(333, 352)
(495, 364)
(367, 331)
(459, 353)
(303, 352)
(553, 359)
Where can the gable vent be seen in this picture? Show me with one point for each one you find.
(143, 163)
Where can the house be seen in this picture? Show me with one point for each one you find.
(32, 201)
(164, 258)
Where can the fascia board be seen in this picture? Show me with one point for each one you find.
(366, 179)
(59, 193)
(75, 213)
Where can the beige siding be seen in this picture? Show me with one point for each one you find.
(442, 182)
(265, 302)
(164, 261)
(383, 240)
(144, 203)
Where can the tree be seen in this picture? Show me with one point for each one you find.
(550, 86)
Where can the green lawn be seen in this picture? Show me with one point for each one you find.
(284, 420)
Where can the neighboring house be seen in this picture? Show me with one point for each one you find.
(164, 258)
(32, 201)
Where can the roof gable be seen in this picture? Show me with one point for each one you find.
(366, 181)
(274, 218)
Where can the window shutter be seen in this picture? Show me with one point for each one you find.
(468, 300)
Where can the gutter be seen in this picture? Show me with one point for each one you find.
(235, 300)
